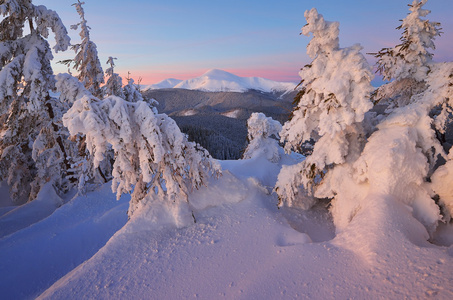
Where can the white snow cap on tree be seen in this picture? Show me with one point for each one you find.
(260, 130)
(325, 34)
(152, 157)
(335, 86)
(410, 58)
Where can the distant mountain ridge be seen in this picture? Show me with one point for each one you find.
(221, 81)
(218, 120)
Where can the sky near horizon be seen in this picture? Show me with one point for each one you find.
(156, 40)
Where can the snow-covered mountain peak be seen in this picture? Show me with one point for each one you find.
(164, 84)
(216, 74)
(216, 80)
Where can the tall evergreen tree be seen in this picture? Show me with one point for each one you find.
(86, 61)
(114, 85)
(410, 58)
(408, 63)
(332, 102)
(32, 150)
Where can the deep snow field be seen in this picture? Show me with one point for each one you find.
(241, 247)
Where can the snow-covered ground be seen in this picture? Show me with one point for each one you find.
(241, 247)
(221, 81)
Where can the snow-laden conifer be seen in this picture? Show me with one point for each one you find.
(132, 91)
(410, 58)
(401, 157)
(260, 130)
(332, 101)
(86, 61)
(114, 85)
(33, 147)
(153, 159)
(407, 64)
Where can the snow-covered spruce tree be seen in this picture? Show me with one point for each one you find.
(114, 85)
(152, 157)
(33, 149)
(331, 105)
(260, 130)
(407, 138)
(408, 63)
(132, 91)
(86, 61)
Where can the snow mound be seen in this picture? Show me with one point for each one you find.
(20, 217)
(221, 81)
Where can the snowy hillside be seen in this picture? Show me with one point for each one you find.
(242, 247)
(221, 81)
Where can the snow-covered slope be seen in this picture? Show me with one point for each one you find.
(243, 247)
(221, 81)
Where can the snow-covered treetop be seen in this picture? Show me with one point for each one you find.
(325, 34)
(132, 91)
(335, 86)
(409, 59)
(26, 59)
(16, 13)
(114, 85)
(86, 60)
(260, 129)
(261, 126)
(85, 29)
